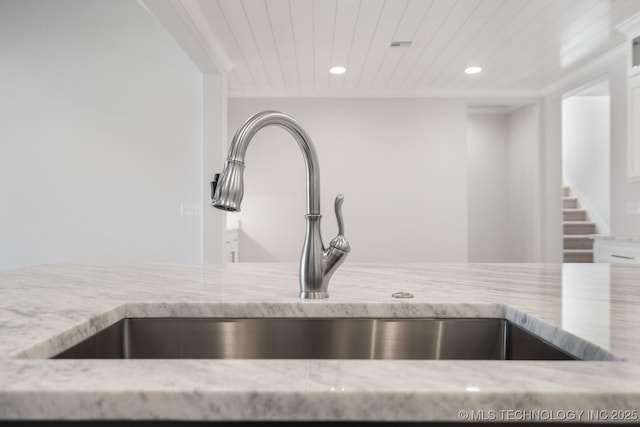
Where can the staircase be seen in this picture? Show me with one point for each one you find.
(578, 245)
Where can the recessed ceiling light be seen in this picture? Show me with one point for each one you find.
(337, 70)
(472, 70)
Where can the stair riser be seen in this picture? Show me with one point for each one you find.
(585, 243)
(574, 216)
(579, 229)
(569, 203)
(581, 257)
(566, 192)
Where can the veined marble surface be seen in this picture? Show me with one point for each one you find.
(592, 310)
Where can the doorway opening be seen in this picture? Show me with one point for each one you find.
(503, 191)
(586, 148)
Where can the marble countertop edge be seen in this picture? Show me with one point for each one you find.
(387, 405)
(556, 336)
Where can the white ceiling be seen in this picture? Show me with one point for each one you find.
(286, 47)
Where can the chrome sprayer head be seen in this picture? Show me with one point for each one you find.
(228, 189)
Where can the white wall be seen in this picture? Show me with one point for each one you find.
(214, 151)
(586, 154)
(487, 138)
(505, 203)
(100, 123)
(401, 164)
(552, 228)
(524, 173)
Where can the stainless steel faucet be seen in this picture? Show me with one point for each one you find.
(317, 264)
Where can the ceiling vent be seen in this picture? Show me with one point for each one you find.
(401, 43)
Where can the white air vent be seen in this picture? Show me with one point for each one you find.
(401, 43)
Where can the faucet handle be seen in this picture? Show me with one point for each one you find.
(340, 242)
(214, 184)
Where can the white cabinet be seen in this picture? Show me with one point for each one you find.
(616, 251)
(633, 118)
(631, 27)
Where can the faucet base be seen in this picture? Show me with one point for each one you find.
(314, 295)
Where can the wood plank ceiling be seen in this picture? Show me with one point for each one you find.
(286, 47)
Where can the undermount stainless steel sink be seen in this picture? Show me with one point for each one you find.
(314, 338)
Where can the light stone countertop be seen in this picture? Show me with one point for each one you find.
(592, 310)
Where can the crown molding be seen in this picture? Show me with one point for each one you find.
(201, 25)
(630, 26)
(492, 109)
(488, 96)
(186, 22)
(588, 71)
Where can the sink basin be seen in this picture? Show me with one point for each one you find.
(314, 338)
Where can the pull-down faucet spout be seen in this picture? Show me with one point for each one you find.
(317, 264)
